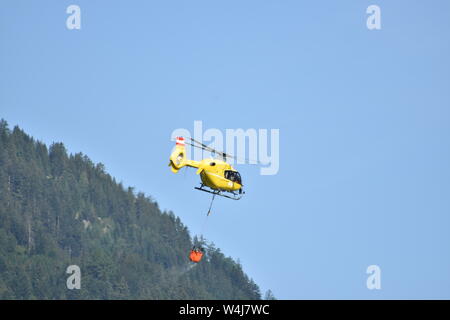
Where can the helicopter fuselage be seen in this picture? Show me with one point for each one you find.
(219, 175)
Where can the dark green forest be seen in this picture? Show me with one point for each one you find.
(59, 209)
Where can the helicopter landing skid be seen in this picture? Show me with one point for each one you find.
(220, 193)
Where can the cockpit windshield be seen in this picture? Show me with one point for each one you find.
(233, 176)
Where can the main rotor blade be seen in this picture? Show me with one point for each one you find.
(207, 148)
(245, 160)
(220, 153)
(203, 145)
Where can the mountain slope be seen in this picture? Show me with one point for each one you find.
(58, 210)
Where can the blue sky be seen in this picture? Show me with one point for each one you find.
(363, 116)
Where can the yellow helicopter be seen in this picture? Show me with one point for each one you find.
(218, 177)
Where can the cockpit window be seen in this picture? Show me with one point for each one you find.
(233, 176)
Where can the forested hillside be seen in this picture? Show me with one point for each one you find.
(58, 210)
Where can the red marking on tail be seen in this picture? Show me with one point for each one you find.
(180, 141)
